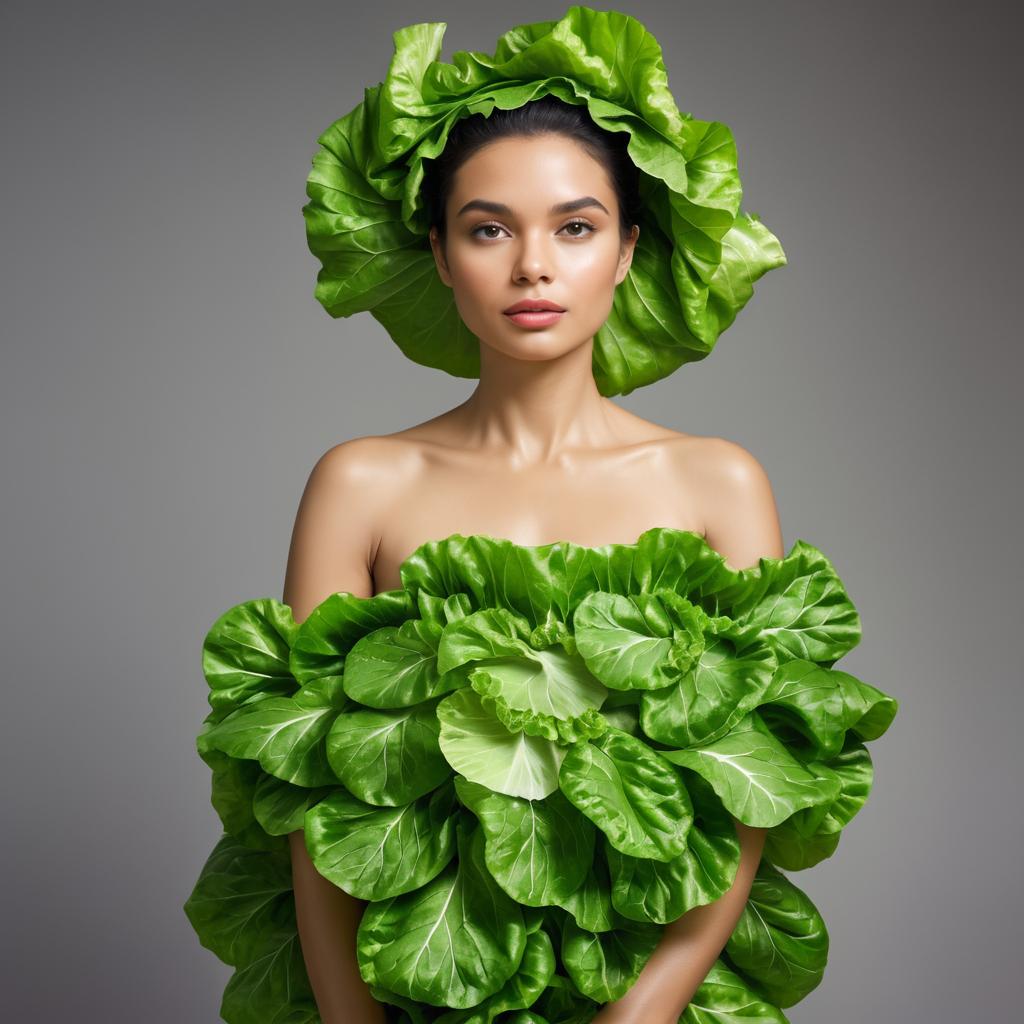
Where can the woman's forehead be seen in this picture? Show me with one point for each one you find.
(540, 171)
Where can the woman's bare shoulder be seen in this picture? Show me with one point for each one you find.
(718, 459)
(736, 500)
(369, 457)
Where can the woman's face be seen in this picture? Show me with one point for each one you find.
(508, 241)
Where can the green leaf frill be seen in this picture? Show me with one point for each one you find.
(529, 760)
(698, 255)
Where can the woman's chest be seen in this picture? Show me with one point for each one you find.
(583, 504)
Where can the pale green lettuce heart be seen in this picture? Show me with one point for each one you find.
(477, 745)
(585, 726)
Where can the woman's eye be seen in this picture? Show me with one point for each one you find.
(579, 224)
(487, 227)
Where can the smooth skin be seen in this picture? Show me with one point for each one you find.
(536, 454)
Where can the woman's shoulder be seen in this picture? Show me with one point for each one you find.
(370, 456)
(720, 459)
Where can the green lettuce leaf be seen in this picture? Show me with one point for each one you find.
(799, 604)
(660, 892)
(286, 738)
(453, 942)
(539, 851)
(396, 666)
(727, 681)
(780, 944)
(605, 965)
(635, 797)
(377, 852)
(725, 998)
(531, 978)
(246, 654)
(641, 642)
(331, 629)
(756, 779)
(280, 807)
(388, 757)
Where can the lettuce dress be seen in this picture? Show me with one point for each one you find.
(528, 760)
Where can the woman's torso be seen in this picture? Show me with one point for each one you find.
(652, 477)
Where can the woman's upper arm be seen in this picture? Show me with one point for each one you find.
(335, 533)
(741, 520)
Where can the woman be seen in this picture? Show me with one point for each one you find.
(534, 576)
(536, 454)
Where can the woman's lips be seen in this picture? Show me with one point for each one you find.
(539, 318)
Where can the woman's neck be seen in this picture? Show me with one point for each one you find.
(532, 412)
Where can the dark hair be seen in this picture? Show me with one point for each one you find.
(549, 114)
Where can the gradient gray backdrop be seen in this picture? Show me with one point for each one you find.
(168, 382)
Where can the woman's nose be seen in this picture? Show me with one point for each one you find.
(533, 258)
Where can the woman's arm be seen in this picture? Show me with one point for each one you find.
(742, 524)
(331, 551)
(688, 948)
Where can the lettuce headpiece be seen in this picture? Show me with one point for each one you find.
(697, 257)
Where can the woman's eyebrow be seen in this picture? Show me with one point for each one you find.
(500, 208)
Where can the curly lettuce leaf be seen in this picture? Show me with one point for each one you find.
(640, 642)
(726, 682)
(698, 256)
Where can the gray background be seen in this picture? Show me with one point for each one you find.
(169, 381)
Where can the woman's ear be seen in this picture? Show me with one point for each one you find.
(439, 260)
(626, 254)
